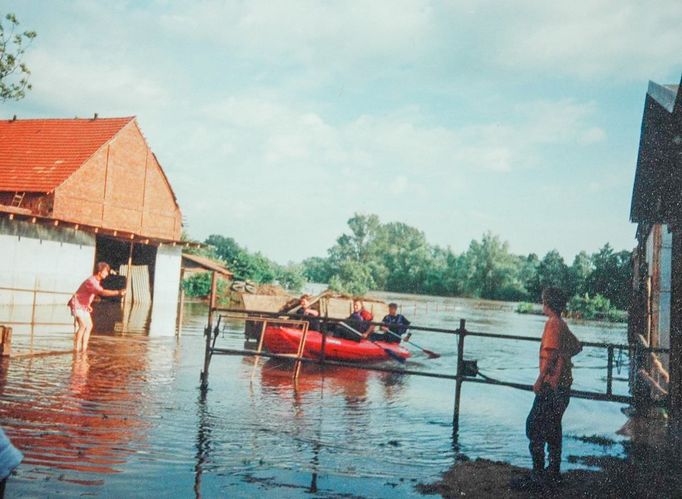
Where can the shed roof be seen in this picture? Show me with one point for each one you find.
(657, 191)
(38, 155)
(205, 264)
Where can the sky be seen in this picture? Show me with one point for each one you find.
(276, 122)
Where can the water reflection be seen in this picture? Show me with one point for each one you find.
(126, 415)
(203, 444)
(277, 377)
(85, 425)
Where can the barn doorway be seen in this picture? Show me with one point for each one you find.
(116, 252)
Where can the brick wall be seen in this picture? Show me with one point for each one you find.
(121, 187)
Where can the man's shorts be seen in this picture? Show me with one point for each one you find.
(80, 313)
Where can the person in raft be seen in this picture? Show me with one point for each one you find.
(307, 313)
(552, 389)
(81, 304)
(395, 325)
(360, 320)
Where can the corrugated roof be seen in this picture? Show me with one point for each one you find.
(38, 155)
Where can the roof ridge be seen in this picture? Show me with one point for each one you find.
(76, 118)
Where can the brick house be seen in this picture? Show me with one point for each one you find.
(77, 191)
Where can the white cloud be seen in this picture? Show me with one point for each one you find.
(250, 110)
(592, 136)
(398, 185)
(592, 38)
(307, 31)
(82, 83)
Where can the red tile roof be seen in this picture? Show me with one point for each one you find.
(39, 155)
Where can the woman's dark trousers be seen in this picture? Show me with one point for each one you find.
(543, 426)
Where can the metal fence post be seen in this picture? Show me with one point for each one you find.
(458, 381)
(33, 308)
(609, 374)
(209, 332)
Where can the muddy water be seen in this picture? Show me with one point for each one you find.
(127, 419)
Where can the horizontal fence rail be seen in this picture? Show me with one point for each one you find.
(463, 368)
(34, 304)
(41, 291)
(592, 344)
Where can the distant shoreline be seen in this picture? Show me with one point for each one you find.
(613, 316)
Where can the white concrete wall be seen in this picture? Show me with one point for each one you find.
(166, 289)
(45, 259)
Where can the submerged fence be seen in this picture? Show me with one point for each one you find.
(465, 370)
(35, 304)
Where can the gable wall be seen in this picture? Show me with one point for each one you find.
(121, 188)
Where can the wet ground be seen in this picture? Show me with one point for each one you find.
(127, 418)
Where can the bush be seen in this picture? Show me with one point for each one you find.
(199, 285)
(596, 307)
(525, 308)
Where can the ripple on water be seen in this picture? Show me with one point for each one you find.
(128, 416)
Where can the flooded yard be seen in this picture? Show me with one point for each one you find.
(128, 419)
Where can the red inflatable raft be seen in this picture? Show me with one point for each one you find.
(280, 339)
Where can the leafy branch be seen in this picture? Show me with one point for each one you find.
(14, 73)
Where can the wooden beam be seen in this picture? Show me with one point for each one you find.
(675, 386)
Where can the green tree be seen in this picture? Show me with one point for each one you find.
(317, 269)
(244, 265)
(612, 276)
(552, 271)
(291, 276)
(579, 273)
(199, 285)
(14, 73)
(528, 270)
(352, 260)
(492, 272)
(405, 255)
(353, 278)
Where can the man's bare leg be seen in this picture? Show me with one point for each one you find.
(86, 334)
(78, 337)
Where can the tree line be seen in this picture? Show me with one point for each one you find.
(245, 265)
(397, 257)
(394, 256)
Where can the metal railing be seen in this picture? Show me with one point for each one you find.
(34, 304)
(463, 373)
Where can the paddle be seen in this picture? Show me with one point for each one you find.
(432, 355)
(388, 351)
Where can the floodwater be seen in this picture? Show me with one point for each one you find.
(127, 418)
